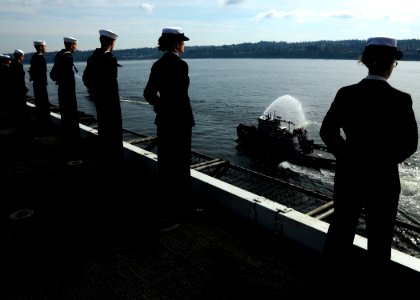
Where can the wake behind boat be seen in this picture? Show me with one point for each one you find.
(273, 140)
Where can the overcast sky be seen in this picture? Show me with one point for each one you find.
(205, 22)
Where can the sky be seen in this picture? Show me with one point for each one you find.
(206, 22)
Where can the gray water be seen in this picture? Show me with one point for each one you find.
(226, 92)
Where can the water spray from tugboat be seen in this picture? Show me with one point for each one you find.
(288, 108)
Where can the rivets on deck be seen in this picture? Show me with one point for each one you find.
(21, 214)
(75, 162)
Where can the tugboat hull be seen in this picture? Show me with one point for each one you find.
(274, 143)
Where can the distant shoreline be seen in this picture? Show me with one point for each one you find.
(344, 49)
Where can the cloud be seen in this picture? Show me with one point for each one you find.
(24, 2)
(147, 7)
(339, 14)
(53, 2)
(230, 2)
(303, 16)
(299, 15)
(272, 13)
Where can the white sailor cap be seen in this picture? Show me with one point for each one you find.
(4, 57)
(18, 51)
(39, 43)
(175, 31)
(381, 41)
(108, 33)
(69, 39)
(384, 43)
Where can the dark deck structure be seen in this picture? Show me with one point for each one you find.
(72, 229)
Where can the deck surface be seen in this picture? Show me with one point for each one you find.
(72, 230)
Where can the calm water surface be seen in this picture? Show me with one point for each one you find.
(226, 92)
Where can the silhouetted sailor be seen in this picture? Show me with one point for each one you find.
(63, 74)
(38, 76)
(18, 88)
(367, 173)
(167, 91)
(5, 61)
(100, 77)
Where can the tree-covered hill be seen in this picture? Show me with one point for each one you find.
(345, 49)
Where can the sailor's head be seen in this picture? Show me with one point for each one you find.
(380, 55)
(40, 46)
(19, 55)
(70, 43)
(107, 38)
(172, 39)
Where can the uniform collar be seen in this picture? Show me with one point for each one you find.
(173, 52)
(376, 77)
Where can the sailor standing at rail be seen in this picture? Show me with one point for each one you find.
(167, 91)
(38, 76)
(5, 61)
(367, 172)
(18, 88)
(100, 77)
(63, 74)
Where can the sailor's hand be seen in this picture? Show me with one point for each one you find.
(156, 107)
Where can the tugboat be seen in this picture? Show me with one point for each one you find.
(274, 140)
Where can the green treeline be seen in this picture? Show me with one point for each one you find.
(345, 49)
